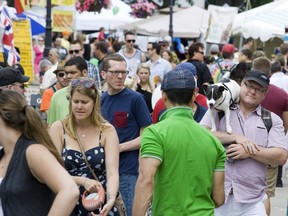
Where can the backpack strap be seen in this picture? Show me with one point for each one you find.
(266, 118)
(54, 88)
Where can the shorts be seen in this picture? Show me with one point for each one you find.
(271, 180)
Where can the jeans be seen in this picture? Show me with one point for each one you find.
(127, 188)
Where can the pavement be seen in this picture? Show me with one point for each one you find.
(279, 202)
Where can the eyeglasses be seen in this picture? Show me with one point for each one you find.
(74, 51)
(129, 41)
(257, 90)
(61, 74)
(40, 40)
(201, 52)
(116, 73)
(86, 83)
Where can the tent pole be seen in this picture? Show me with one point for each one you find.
(48, 32)
(171, 19)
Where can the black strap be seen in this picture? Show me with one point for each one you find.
(266, 118)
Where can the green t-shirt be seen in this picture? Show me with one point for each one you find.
(59, 106)
(189, 156)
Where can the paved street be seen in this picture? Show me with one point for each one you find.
(279, 202)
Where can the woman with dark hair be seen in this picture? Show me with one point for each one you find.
(89, 146)
(33, 179)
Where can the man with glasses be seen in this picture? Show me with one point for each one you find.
(196, 57)
(59, 107)
(158, 66)
(61, 83)
(250, 149)
(13, 79)
(132, 56)
(77, 49)
(127, 111)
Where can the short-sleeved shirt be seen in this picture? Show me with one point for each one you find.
(59, 106)
(128, 113)
(159, 68)
(189, 156)
(247, 177)
(46, 98)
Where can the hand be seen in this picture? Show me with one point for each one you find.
(236, 152)
(249, 146)
(91, 185)
(106, 208)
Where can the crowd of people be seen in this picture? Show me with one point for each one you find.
(157, 159)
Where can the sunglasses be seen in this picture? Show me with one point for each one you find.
(61, 75)
(89, 84)
(201, 52)
(74, 51)
(22, 86)
(129, 41)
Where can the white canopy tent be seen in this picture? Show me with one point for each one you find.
(263, 22)
(187, 23)
(89, 21)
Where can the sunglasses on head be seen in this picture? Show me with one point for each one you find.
(129, 41)
(86, 83)
(74, 51)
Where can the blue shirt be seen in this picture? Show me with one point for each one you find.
(128, 113)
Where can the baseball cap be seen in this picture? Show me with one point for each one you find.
(214, 48)
(178, 78)
(228, 48)
(187, 66)
(10, 75)
(258, 76)
(60, 67)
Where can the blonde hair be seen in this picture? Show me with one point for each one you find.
(96, 117)
(147, 67)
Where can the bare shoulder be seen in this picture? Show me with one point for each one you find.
(56, 127)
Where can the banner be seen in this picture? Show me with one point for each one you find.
(41, 3)
(220, 23)
(63, 2)
(62, 21)
(22, 40)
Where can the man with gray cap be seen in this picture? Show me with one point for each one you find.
(181, 163)
(250, 148)
(13, 79)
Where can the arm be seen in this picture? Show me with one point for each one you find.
(47, 170)
(285, 120)
(132, 144)
(145, 185)
(56, 133)
(271, 156)
(111, 144)
(218, 194)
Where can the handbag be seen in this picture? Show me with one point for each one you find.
(93, 200)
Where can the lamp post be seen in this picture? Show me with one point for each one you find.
(48, 29)
(171, 19)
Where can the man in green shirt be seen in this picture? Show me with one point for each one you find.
(181, 163)
(59, 107)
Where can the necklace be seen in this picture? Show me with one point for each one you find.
(82, 134)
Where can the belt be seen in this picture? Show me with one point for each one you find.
(231, 191)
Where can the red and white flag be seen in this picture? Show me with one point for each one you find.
(11, 55)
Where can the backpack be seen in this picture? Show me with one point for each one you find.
(265, 115)
(222, 73)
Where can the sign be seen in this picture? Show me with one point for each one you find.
(220, 23)
(62, 21)
(22, 40)
(63, 2)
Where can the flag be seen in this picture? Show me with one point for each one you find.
(18, 4)
(10, 52)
